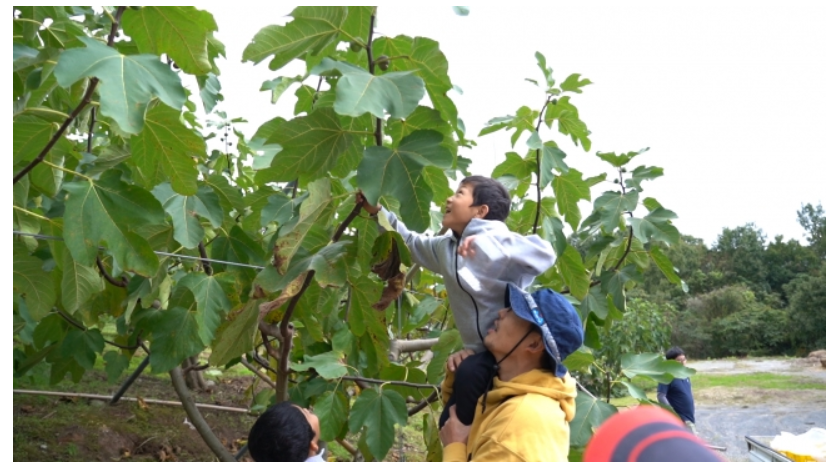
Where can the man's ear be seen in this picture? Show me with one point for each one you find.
(483, 211)
(536, 345)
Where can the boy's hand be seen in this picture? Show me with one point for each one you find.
(466, 248)
(371, 209)
(457, 358)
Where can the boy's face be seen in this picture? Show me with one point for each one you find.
(314, 422)
(459, 210)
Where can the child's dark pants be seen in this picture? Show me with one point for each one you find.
(473, 379)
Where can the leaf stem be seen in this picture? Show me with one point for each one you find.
(90, 129)
(30, 213)
(371, 64)
(424, 403)
(538, 167)
(68, 171)
(88, 94)
(631, 229)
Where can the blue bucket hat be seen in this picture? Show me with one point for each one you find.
(560, 326)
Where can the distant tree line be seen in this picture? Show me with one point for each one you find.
(747, 295)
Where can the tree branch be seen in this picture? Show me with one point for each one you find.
(121, 283)
(85, 100)
(425, 402)
(397, 347)
(258, 373)
(206, 264)
(81, 327)
(196, 418)
(90, 129)
(631, 229)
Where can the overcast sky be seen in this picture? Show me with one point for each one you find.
(735, 99)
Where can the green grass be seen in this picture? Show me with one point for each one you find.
(754, 380)
(704, 381)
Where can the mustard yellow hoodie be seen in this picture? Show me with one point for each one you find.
(526, 419)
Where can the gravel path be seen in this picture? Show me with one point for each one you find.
(726, 419)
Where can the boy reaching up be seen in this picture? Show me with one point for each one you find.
(477, 259)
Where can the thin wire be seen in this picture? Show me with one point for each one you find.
(160, 253)
(197, 258)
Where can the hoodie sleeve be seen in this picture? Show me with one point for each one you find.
(425, 250)
(508, 256)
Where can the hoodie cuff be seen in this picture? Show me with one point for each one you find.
(454, 452)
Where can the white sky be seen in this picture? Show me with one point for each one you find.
(736, 100)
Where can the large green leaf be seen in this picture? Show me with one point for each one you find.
(643, 173)
(359, 92)
(168, 145)
(595, 302)
(29, 137)
(328, 365)
(521, 169)
(614, 283)
(590, 414)
(237, 337)
(665, 265)
(569, 189)
(311, 145)
(106, 212)
(229, 196)
(332, 408)
(569, 123)
(174, 336)
(180, 32)
(311, 30)
(378, 411)
(611, 206)
(522, 121)
(78, 283)
(619, 160)
(186, 210)
(128, 83)
(279, 209)
(646, 230)
(423, 118)
(573, 84)
(211, 299)
(579, 361)
(653, 366)
(574, 273)
(423, 56)
(551, 158)
(32, 282)
(362, 317)
(82, 346)
(398, 173)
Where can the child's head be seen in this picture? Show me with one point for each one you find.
(476, 197)
(284, 433)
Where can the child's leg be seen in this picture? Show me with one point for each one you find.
(474, 376)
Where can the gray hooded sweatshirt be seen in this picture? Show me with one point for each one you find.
(476, 285)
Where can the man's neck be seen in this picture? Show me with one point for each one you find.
(515, 366)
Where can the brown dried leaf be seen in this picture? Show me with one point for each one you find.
(142, 403)
(266, 309)
(391, 292)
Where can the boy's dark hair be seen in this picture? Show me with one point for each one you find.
(281, 434)
(674, 352)
(489, 192)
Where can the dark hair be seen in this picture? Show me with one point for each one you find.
(489, 192)
(281, 434)
(674, 352)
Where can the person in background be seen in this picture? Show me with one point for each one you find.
(678, 394)
(286, 432)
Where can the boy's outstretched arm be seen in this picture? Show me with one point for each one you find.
(423, 249)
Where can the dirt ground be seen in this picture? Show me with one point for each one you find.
(724, 416)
